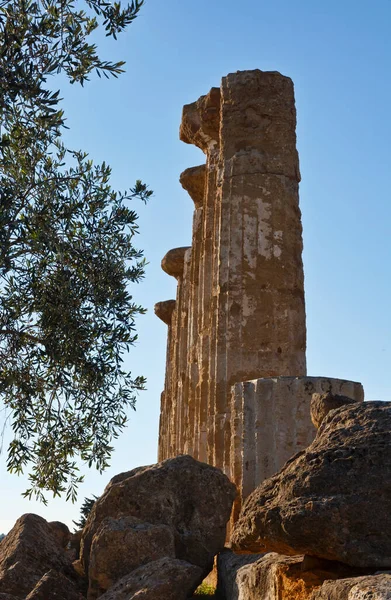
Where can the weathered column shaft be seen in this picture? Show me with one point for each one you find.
(271, 421)
(194, 181)
(182, 387)
(192, 333)
(200, 126)
(259, 315)
(172, 403)
(164, 310)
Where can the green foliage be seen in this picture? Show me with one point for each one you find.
(205, 590)
(66, 253)
(85, 510)
(2, 536)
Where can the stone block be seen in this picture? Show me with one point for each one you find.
(271, 422)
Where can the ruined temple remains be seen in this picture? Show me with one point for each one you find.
(236, 394)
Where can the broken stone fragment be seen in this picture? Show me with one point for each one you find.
(164, 310)
(61, 533)
(343, 479)
(253, 576)
(370, 587)
(122, 545)
(55, 585)
(322, 404)
(277, 577)
(229, 569)
(201, 121)
(193, 181)
(164, 579)
(174, 261)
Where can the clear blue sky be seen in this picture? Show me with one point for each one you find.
(338, 54)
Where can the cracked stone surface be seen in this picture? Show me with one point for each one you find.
(342, 480)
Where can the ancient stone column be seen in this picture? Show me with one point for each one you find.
(200, 126)
(193, 180)
(245, 299)
(251, 294)
(164, 311)
(239, 313)
(172, 404)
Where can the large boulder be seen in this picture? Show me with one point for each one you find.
(322, 404)
(371, 587)
(271, 576)
(332, 500)
(28, 551)
(164, 579)
(120, 546)
(55, 586)
(192, 498)
(61, 533)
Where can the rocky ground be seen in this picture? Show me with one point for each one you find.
(155, 529)
(320, 529)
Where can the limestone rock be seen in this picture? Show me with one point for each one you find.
(271, 576)
(73, 549)
(332, 500)
(54, 585)
(229, 573)
(120, 546)
(164, 310)
(275, 577)
(193, 181)
(79, 568)
(28, 551)
(192, 498)
(61, 533)
(173, 262)
(164, 579)
(322, 404)
(371, 587)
